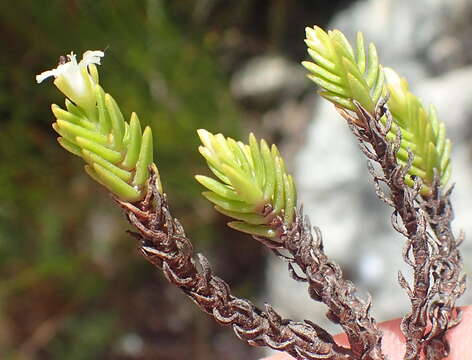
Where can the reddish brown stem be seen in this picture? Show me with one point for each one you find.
(326, 284)
(416, 213)
(164, 244)
(449, 281)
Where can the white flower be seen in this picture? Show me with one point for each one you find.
(74, 80)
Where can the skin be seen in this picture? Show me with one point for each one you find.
(460, 339)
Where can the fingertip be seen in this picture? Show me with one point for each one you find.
(459, 337)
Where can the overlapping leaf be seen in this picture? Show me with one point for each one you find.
(342, 74)
(422, 133)
(345, 76)
(118, 154)
(253, 185)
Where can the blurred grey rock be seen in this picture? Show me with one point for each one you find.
(414, 37)
(268, 78)
(418, 40)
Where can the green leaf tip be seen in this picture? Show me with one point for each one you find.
(252, 184)
(118, 154)
(343, 75)
(256, 230)
(425, 133)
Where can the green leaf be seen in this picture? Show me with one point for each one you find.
(361, 61)
(64, 134)
(61, 114)
(69, 146)
(104, 152)
(340, 101)
(206, 138)
(249, 218)
(256, 230)
(279, 199)
(379, 89)
(145, 158)
(330, 87)
(116, 185)
(91, 172)
(322, 72)
(93, 71)
(246, 189)
(76, 130)
(362, 94)
(222, 150)
(74, 109)
(422, 133)
(211, 158)
(103, 117)
(134, 143)
(343, 75)
(227, 204)
(219, 174)
(93, 158)
(374, 67)
(258, 162)
(118, 154)
(269, 170)
(254, 184)
(290, 198)
(117, 121)
(240, 157)
(217, 187)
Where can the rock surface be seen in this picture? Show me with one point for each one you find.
(269, 78)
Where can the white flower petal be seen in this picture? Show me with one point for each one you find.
(45, 74)
(72, 58)
(91, 57)
(74, 80)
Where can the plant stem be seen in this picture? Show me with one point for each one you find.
(164, 244)
(449, 280)
(436, 262)
(326, 284)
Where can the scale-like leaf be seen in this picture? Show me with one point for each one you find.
(343, 75)
(254, 186)
(117, 153)
(426, 135)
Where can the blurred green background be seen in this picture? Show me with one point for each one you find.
(72, 285)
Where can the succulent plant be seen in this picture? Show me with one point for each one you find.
(118, 154)
(422, 133)
(347, 78)
(253, 186)
(344, 75)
